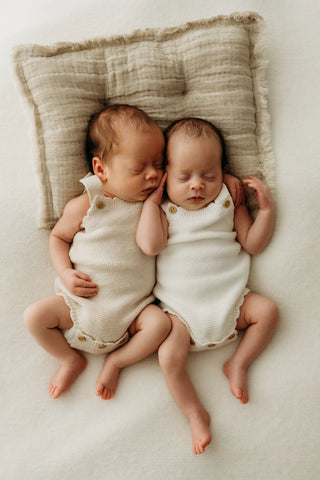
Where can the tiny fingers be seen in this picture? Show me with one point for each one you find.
(253, 182)
(89, 285)
(252, 179)
(162, 183)
(163, 179)
(261, 192)
(84, 288)
(86, 292)
(82, 276)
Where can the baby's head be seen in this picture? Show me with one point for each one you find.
(196, 157)
(125, 150)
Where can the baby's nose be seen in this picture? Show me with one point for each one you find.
(196, 184)
(151, 172)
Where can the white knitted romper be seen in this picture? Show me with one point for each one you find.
(203, 271)
(106, 250)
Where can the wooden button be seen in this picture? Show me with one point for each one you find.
(173, 209)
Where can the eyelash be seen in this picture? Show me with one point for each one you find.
(186, 178)
(182, 179)
(157, 166)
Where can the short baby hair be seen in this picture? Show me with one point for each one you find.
(193, 127)
(102, 132)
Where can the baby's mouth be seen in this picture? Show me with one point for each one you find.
(148, 190)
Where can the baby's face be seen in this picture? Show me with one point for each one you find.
(194, 171)
(136, 166)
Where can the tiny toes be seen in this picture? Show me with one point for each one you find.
(108, 394)
(99, 391)
(198, 450)
(242, 396)
(104, 393)
(238, 393)
(245, 398)
(54, 391)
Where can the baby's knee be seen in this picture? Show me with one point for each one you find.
(31, 317)
(271, 312)
(170, 358)
(158, 320)
(275, 313)
(164, 320)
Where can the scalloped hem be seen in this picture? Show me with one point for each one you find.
(232, 335)
(80, 340)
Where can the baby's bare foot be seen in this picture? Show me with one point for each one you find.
(66, 375)
(201, 436)
(237, 380)
(108, 379)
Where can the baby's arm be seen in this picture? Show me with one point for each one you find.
(61, 238)
(152, 231)
(235, 188)
(254, 236)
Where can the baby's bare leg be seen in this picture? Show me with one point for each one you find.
(148, 331)
(259, 316)
(45, 320)
(173, 354)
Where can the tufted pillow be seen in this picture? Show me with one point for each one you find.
(213, 68)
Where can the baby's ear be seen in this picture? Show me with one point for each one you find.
(99, 168)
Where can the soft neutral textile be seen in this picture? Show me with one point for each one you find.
(141, 434)
(212, 68)
(106, 249)
(203, 260)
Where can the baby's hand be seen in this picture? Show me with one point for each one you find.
(157, 195)
(78, 283)
(235, 188)
(262, 192)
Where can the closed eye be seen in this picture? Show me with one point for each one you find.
(135, 167)
(158, 165)
(182, 178)
(209, 178)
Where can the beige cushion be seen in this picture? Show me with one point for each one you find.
(214, 69)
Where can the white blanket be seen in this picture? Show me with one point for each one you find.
(141, 434)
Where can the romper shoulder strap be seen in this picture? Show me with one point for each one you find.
(93, 186)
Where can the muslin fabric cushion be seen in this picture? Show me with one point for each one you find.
(213, 68)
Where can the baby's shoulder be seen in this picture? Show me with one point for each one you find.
(71, 219)
(77, 206)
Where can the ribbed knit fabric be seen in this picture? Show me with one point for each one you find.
(203, 272)
(106, 250)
